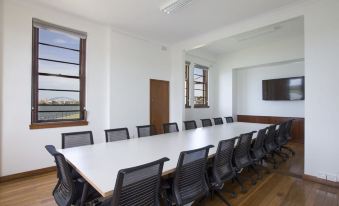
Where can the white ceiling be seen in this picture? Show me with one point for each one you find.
(144, 18)
(273, 33)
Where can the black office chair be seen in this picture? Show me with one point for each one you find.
(69, 191)
(242, 158)
(206, 122)
(170, 127)
(218, 121)
(190, 125)
(118, 134)
(145, 130)
(281, 140)
(138, 185)
(222, 169)
(288, 136)
(189, 183)
(76, 139)
(258, 151)
(229, 119)
(271, 146)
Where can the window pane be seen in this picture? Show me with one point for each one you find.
(55, 105)
(198, 93)
(58, 98)
(58, 54)
(63, 115)
(58, 68)
(50, 82)
(199, 100)
(198, 79)
(198, 71)
(199, 86)
(59, 39)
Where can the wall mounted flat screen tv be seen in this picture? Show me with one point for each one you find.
(286, 89)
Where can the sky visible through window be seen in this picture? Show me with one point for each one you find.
(65, 55)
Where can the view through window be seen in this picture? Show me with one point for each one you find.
(58, 78)
(200, 76)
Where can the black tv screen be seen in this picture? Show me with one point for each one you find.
(284, 89)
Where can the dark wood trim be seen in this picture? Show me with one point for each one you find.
(83, 79)
(298, 127)
(27, 174)
(320, 181)
(205, 72)
(45, 125)
(201, 106)
(35, 74)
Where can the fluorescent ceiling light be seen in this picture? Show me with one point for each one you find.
(256, 34)
(173, 5)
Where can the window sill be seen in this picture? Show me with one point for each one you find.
(201, 106)
(45, 125)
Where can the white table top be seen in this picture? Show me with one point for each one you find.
(99, 163)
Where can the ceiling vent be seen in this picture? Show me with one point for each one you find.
(172, 6)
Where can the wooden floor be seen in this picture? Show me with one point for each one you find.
(282, 187)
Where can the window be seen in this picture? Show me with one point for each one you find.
(200, 76)
(187, 85)
(58, 76)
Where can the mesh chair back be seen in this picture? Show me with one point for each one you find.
(190, 125)
(76, 139)
(270, 144)
(206, 122)
(229, 119)
(64, 192)
(145, 130)
(289, 129)
(189, 180)
(139, 185)
(218, 121)
(281, 137)
(258, 145)
(170, 127)
(222, 164)
(242, 156)
(118, 134)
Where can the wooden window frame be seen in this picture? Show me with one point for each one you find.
(35, 123)
(187, 84)
(205, 87)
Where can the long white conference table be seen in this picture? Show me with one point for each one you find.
(99, 163)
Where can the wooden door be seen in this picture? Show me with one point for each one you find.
(159, 104)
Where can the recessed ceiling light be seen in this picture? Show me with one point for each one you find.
(173, 5)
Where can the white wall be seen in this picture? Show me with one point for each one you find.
(249, 90)
(321, 73)
(1, 76)
(133, 63)
(22, 149)
(118, 70)
(322, 80)
(205, 59)
(227, 93)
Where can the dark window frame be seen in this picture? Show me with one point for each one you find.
(205, 86)
(187, 84)
(35, 123)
